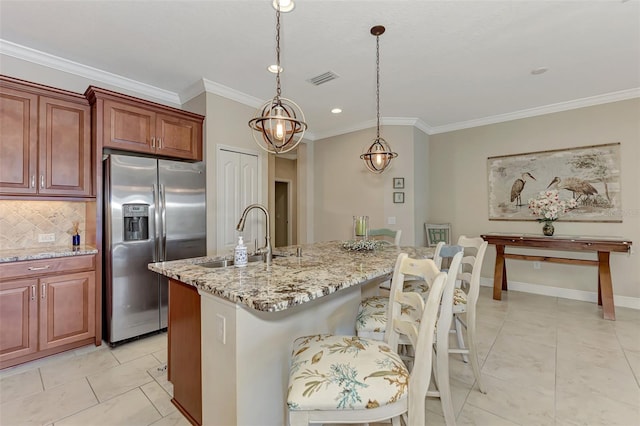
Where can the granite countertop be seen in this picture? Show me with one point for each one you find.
(17, 255)
(323, 268)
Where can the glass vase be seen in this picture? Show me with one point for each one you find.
(360, 227)
(548, 229)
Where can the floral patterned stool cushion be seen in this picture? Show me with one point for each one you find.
(371, 320)
(344, 372)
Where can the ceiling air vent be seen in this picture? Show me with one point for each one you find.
(323, 78)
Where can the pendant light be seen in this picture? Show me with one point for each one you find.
(379, 155)
(279, 123)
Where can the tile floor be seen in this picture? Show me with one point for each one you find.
(545, 361)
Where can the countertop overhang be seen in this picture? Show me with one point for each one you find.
(324, 268)
(19, 255)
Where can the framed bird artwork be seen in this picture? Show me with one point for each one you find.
(589, 175)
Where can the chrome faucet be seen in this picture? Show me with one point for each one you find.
(266, 250)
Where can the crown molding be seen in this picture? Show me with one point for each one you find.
(209, 86)
(407, 121)
(384, 121)
(547, 109)
(94, 74)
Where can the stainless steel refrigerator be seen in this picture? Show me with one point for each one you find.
(154, 210)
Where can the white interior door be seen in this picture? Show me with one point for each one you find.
(238, 185)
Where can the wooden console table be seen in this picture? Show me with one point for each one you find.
(603, 246)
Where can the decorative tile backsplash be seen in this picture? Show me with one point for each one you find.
(21, 222)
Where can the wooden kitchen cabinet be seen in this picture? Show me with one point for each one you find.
(19, 314)
(184, 362)
(46, 306)
(67, 309)
(136, 125)
(45, 143)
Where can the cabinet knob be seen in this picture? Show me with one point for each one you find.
(153, 142)
(44, 291)
(41, 181)
(33, 181)
(33, 292)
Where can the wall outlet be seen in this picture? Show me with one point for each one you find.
(537, 265)
(46, 238)
(391, 220)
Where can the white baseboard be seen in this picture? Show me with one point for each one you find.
(565, 293)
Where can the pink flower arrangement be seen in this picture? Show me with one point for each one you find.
(548, 206)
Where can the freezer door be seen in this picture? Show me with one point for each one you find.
(131, 290)
(183, 215)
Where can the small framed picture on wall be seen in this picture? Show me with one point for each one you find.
(398, 183)
(398, 197)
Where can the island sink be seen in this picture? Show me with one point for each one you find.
(223, 263)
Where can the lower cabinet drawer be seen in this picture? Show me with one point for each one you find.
(29, 268)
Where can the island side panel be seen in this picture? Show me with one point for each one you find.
(184, 350)
(219, 361)
(245, 378)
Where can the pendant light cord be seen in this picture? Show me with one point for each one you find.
(378, 87)
(278, 91)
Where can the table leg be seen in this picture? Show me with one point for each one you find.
(504, 275)
(599, 289)
(499, 274)
(606, 287)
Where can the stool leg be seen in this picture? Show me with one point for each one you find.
(473, 351)
(459, 334)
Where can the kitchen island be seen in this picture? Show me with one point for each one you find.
(250, 316)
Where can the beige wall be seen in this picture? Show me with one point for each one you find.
(343, 187)
(305, 196)
(421, 190)
(458, 181)
(226, 124)
(287, 170)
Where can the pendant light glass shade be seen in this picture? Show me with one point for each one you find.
(279, 124)
(379, 155)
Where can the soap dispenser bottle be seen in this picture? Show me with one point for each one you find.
(240, 254)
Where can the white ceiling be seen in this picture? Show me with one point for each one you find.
(444, 64)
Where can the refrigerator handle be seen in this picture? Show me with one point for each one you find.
(164, 222)
(156, 218)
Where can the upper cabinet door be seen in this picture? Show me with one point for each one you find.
(179, 137)
(64, 148)
(18, 141)
(128, 127)
(136, 125)
(45, 141)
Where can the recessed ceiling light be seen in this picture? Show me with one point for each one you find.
(274, 68)
(336, 111)
(285, 5)
(538, 71)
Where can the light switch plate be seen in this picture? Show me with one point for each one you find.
(221, 329)
(391, 220)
